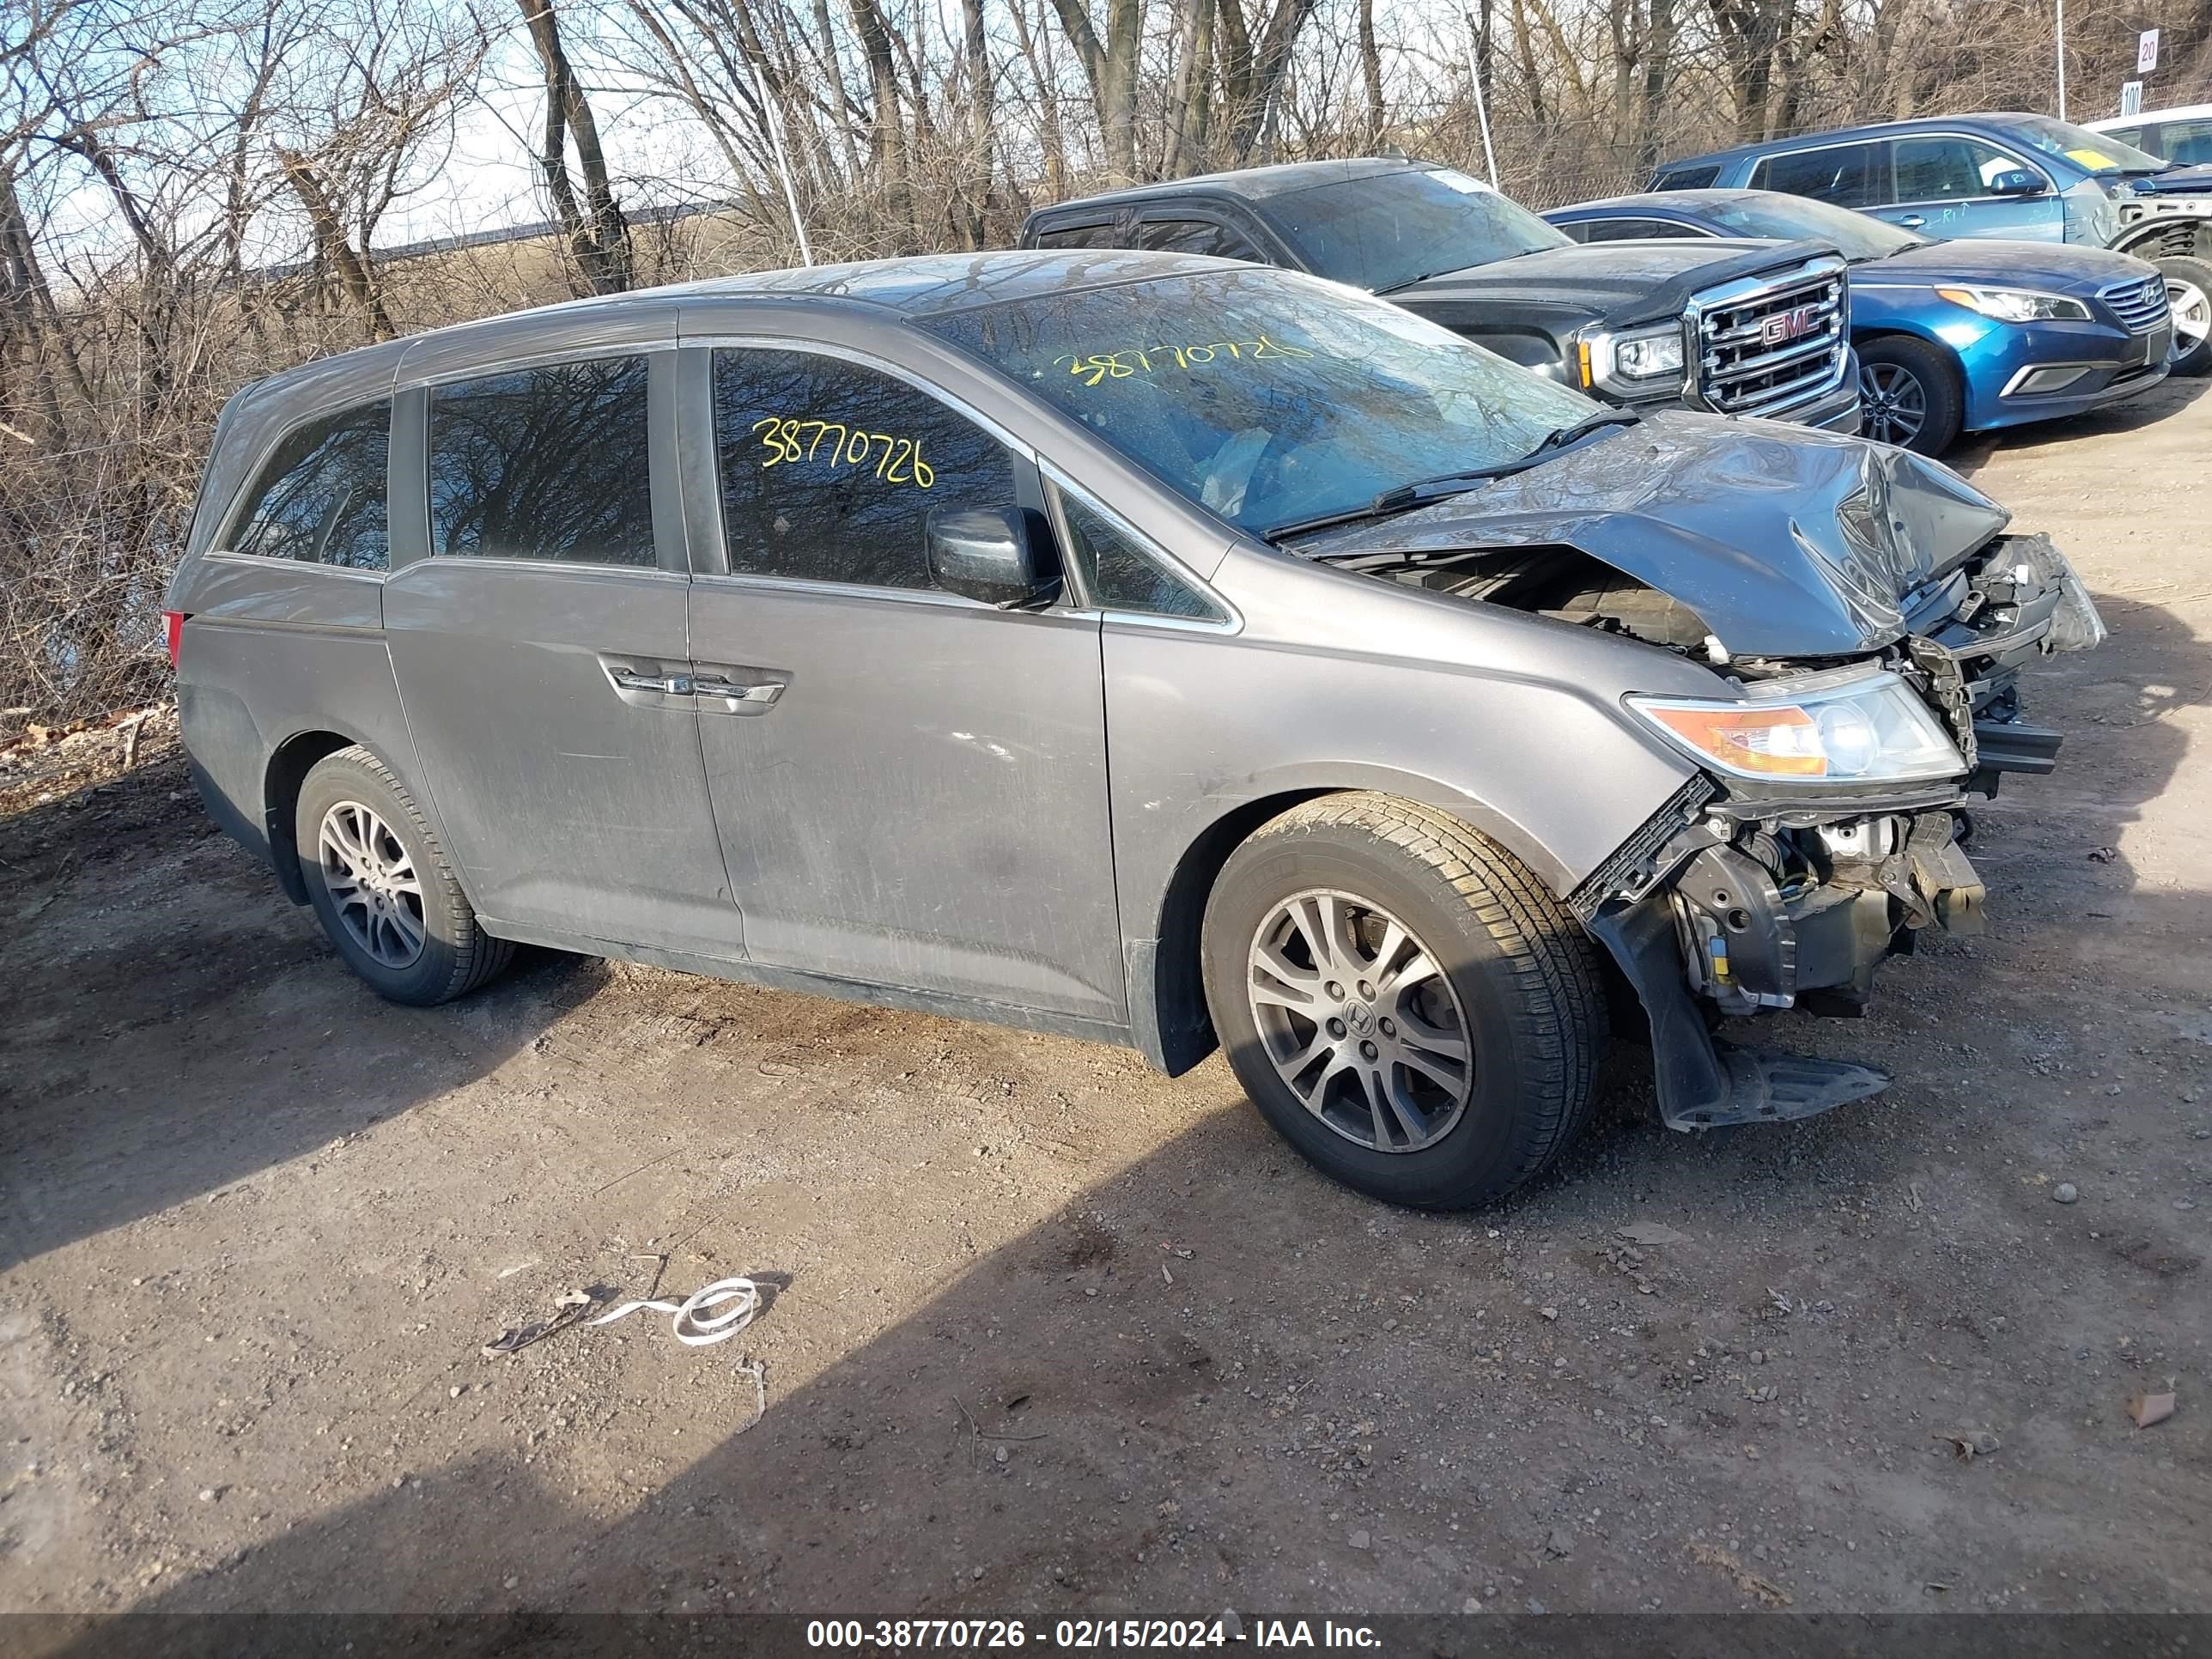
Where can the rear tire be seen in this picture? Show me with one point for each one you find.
(1909, 395)
(2188, 292)
(381, 886)
(1490, 966)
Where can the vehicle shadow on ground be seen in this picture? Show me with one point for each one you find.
(133, 1061)
(1975, 449)
(1091, 1416)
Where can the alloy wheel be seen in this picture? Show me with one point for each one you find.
(373, 884)
(2192, 314)
(1894, 401)
(1359, 1021)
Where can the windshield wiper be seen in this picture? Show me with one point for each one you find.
(1410, 281)
(1572, 435)
(1464, 265)
(1402, 498)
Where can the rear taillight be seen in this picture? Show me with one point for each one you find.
(174, 621)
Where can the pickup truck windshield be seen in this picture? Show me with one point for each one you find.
(2098, 153)
(1266, 396)
(1383, 233)
(1800, 219)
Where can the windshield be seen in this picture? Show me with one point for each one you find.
(1799, 218)
(2098, 153)
(1266, 396)
(1385, 231)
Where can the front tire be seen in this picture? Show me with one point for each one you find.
(382, 888)
(1405, 1002)
(1909, 395)
(2189, 294)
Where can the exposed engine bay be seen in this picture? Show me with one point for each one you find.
(2014, 601)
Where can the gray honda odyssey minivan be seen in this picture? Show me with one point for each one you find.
(1148, 648)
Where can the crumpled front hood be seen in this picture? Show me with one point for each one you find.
(1787, 542)
(2192, 180)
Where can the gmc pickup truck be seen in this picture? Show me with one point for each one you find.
(1730, 327)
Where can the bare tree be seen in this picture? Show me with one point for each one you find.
(1108, 61)
(598, 233)
(1187, 103)
(887, 148)
(1371, 71)
(982, 115)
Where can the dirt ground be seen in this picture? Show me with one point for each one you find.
(1052, 1333)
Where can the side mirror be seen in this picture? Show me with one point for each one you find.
(983, 553)
(2016, 182)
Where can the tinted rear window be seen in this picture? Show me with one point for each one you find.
(549, 463)
(1196, 236)
(1636, 230)
(1383, 232)
(1849, 175)
(321, 497)
(1064, 236)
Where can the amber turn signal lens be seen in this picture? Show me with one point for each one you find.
(1782, 742)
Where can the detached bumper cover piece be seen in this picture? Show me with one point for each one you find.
(1715, 919)
(1700, 1083)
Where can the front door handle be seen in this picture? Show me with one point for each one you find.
(737, 697)
(668, 685)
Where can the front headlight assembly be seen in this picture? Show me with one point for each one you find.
(1644, 362)
(2017, 304)
(1862, 725)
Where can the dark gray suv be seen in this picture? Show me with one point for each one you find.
(1154, 649)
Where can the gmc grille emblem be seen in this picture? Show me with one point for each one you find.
(1788, 325)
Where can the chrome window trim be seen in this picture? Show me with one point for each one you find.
(1690, 232)
(936, 596)
(1172, 624)
(1232, 620)
(270, 562)
(572, 353)
(1766, 156)
(587, 567)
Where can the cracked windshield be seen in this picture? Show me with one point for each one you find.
(1268, 398)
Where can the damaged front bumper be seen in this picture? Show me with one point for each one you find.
(1737, 900)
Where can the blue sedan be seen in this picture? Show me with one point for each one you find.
(1952, 336)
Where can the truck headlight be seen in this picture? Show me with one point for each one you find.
(2017, 304)
(1641, 363)
(1846, 726)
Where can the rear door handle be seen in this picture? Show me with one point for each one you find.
(737, 697)
(668, 685)
(1912, 222)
